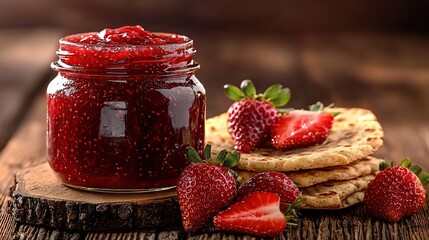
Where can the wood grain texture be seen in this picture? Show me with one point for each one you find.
(385, 74)
(25, 57)
(28, 137)
(39, 198)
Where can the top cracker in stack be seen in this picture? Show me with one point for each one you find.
(331, 175)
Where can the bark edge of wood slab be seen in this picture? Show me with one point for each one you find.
(38, 198)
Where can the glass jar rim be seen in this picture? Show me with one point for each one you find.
(188, 42)
(170, 58)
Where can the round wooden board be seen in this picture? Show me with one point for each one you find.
(39, 198)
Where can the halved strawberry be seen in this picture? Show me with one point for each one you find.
(300, 128)
(257, 214)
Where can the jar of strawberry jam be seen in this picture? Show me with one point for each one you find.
(122, 109)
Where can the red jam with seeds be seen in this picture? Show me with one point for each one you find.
(121, 111)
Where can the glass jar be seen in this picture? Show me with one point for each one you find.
(120, 113)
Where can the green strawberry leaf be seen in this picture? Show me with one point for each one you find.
(416, 169)
(292, 211)
(232, 159)
(424, 178)
(316, 107)
(384, 165)
(248, 88)
(334, 114)
(193, 155)
(275, 94)
(220, 159)
(272, 92)
(406, 163)
(234, 93)
(208, 152)
(282, 98)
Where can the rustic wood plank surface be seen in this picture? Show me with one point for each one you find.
(24, 60)
(388, 74)
(39, 198)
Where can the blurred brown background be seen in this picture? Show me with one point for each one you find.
(353, 53)
(269, 17)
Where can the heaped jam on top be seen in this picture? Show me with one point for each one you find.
(124, 106)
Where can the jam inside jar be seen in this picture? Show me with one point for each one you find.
(122, 109)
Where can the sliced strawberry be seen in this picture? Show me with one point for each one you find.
(301, 128)
(258, 214)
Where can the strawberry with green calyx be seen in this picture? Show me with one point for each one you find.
(396, 191)
(205, 187)
(250, 117)
(301, 128)
(257, 214)
(275, 182)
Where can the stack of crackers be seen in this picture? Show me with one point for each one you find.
(332, 175)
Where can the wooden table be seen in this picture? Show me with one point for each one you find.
(388, 74)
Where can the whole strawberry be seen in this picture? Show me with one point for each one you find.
(274, 182)
(250, 117)
(204, 189)
(396, 191)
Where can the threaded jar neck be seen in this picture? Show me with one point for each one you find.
(124, 58)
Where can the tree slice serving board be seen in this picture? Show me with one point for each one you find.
(39, 198)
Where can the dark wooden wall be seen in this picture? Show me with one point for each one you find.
(254, 16)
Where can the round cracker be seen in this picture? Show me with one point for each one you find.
(306, 178)
(335, 194)
(355, 134)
